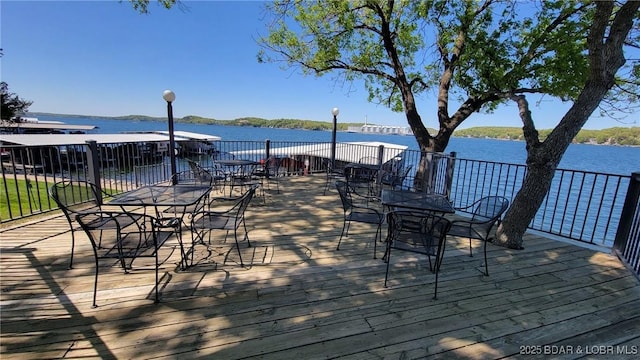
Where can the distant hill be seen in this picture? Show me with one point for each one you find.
(612, 136)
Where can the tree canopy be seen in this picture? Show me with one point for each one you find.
(142, 6)
(11, 104)
(475, 55)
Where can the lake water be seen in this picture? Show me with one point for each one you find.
(597, 158)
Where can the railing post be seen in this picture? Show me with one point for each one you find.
(267, 148)
(380, 162)
(93, 168)
(451, 164)
(627, 241)
(430, 172)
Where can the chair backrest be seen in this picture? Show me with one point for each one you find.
(369, 160)
(68, 193)
(243, 203)
(218, 171)
(192, 164)
(486, 212)
(357, 174)
(489, 208)
(272, 166)
(199, 176)
(95, 224)
(399, 180)
(421, 232)
(245, 171)
(330, 169)
(345, 191)
(105, 231)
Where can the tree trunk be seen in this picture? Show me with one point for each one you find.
(523, 209)
(605, 42)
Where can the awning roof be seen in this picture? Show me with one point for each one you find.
(76, 139)
(188, 135)
(347, 152)
(46, 126)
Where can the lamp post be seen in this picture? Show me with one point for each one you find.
(169, 96)
(334, 112)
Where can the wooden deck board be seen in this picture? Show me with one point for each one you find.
(300, 298)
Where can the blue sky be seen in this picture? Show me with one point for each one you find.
(103, 58)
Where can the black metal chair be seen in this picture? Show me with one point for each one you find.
(395, 180)
(243, 178)
(485, 213)
(417, 232)
(77, 196)
(204, 221)
(269, 173)
(221, 176)
(215, 176)
(196, 176)
(174, 217)
(333, 174)
(112, 239)
(362, 177)
(358, 213)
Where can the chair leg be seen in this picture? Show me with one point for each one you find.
(246, 233)
(95, 284)
(157, 300)
(486, 266)
(470, 249)
(193, 244)
(375, 240)
(344, 225)
(438, 263)
(435, 287)
(387, 255)
(73, 244)
(235, 235)
(183, 260)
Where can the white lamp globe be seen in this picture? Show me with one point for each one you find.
(168, 96)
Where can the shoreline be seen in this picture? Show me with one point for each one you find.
(299, 125)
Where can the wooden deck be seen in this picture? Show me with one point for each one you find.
(301, 299)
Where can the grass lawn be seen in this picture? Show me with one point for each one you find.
(24, 197)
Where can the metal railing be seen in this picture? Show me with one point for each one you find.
(583, 206)
(627, 242)
(580, 205)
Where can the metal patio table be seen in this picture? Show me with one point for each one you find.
(178, 197)
(416, 201)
